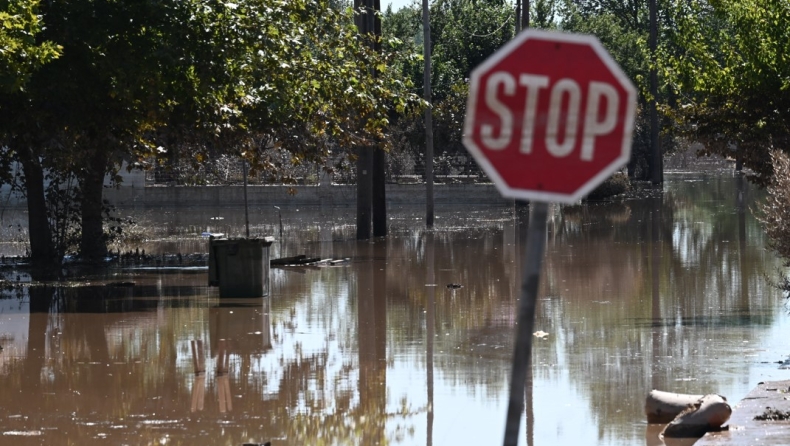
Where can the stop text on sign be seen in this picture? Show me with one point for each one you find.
(564, 95)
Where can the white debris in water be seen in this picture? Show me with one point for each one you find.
(23, 433)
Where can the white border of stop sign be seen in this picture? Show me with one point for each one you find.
(566, 90)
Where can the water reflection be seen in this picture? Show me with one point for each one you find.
(430, 329)
(663, 293)
(199, 386)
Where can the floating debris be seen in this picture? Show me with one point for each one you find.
(120, 284)
(772, 414)
(303, 260)
(540, 334)
(23, 433)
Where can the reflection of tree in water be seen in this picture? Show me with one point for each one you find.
(335, 331)
(104, 368)
(598, 281)
(469, 320)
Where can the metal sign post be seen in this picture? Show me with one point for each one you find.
(522, 353)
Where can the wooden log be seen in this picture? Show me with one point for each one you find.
(296, 260)
(708, 414)
(663, 407)
(287, 260)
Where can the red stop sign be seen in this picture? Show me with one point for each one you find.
(549, 116)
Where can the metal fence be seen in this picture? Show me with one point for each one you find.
(402, 167)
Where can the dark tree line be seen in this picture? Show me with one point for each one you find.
(146, 80)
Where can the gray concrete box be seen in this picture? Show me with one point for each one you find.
(239, 266)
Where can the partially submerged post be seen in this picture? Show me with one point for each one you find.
(246, 206)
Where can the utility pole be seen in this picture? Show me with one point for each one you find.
(371, 161)
(525, 15)
(364, 160)
(522, 15)
(656, 165)
(426, 85)
(518, 16)
(379, 161)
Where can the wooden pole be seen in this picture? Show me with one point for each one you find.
(522, 354)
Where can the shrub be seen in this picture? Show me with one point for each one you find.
(615, 185)
(774, 213)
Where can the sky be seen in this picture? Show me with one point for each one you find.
(396, 4)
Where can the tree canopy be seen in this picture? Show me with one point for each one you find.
(146, 79)
(727, 62)
(20, 51)
(463, 34)
(466, 32)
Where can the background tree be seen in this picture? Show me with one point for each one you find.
(774, 213)
(623, 29)
(464, 33)
(151, 79)
(21, 53)
(728, 66)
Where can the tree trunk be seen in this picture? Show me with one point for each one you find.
(43, 256)
(93, 242)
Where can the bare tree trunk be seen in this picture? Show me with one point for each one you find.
(43, 255)
(93, 242)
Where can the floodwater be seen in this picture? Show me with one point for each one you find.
(670, 292)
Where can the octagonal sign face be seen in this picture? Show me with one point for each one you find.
(549, 116)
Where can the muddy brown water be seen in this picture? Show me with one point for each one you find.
(669, 292)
